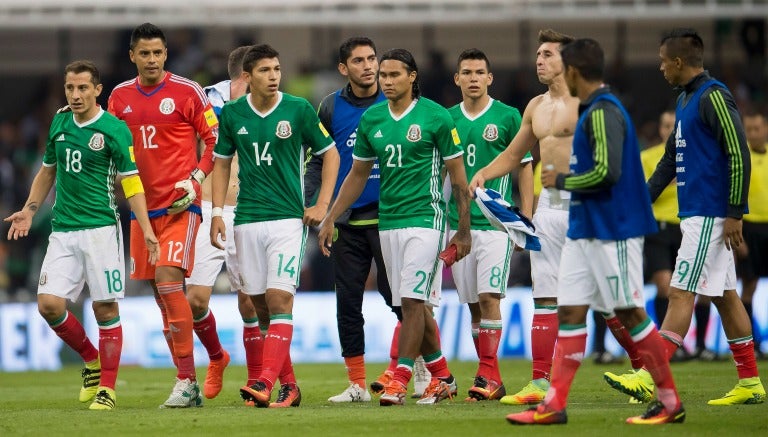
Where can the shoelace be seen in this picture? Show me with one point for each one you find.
(653, 410)
(436, 388)
(284, 392)
(104, 398)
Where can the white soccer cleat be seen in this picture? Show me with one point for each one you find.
(185, 394)
(421, 377)
(353, 393)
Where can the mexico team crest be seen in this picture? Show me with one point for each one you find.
(43, 278)
(491, 132)
(414, 133)
(96, 142)
(167, 105)
(283, 129)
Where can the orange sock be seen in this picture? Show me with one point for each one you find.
(356, 369)
(180, 325)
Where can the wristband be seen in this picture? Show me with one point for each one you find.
(217, 211)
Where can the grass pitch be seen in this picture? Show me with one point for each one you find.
(45, 403)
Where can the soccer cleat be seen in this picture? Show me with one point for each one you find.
(256, 393)
(215, 376)
(394, 394)
(91, 378)
(421, 377)
(105, 400)
(637, 384)
(185, 394)
(288, 396)
(538, 415)
(484, 390)
(531, 394)
(748, 391)
(377, 387)
(438, 390)
(657, 414)
(353, 393)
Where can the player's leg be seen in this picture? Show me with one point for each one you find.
(110, 348)
(701, 313)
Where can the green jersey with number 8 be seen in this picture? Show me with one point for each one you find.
(410, 148)
(87, 158)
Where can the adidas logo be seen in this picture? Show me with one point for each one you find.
(242, 131)
(60, 138)
(378, 134)
(127, 110)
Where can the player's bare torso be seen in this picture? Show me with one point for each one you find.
(553, 120)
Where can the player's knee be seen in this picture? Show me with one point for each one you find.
(50, 309)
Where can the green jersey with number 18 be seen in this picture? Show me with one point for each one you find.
(269, 148)
(87, 158)
(485, 136)
(411, 149)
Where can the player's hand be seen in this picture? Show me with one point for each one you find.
(152, 246)
(732, 233)
(478, 181)
(314, 215)
(188, 195)
(21, 222)
(218, 228)
(548, 176)
(463, 242)
(325, 237)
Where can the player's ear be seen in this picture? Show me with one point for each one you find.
(99, 88)
(490, 78)
(343, 69)
(456, 78)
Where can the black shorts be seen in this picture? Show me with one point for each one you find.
(660, 249)
(756, 238)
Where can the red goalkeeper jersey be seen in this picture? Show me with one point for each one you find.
(166, 121)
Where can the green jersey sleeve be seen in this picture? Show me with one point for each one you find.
(225, 144)
(122, 149)
(317, 137)
(448, 141)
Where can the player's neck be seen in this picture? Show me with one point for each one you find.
(237, 89)
(363, 92)
(263, 103)
(400, 105)
(474, 106)
(85, 117)
(558, 87)
(143, 81)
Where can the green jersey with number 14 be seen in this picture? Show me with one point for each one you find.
(410, 148)
(87, 158)
(269, 148)
(485, 136)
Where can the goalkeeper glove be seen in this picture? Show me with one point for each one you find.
(189, 191)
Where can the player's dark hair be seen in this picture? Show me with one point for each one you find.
(147, 31)
(549, 35)
(345, 49)
(257, 53)
(406, 58)
(84, 66)
(235, 62)
(686, 44)
(473, 54)
(585, 55)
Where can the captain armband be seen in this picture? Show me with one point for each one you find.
(132, 186)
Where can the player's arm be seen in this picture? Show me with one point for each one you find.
(510, 158)
(314, 170)
(222, 168)
(350, 190)
(21, 221)
(458, 174)
(525, 186)
(718, 111)
(134, 194)
(605, 127)
(330, 171)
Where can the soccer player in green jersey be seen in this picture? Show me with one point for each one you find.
(412, 137)
(86, 149)
(268, 129)
(485, 126)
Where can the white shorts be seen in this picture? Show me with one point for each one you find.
(604, 274)
(273, 251)
(413, 267)
(704, 265)
(551, 228)
(486, 268)
(93, 256)
(208, 259)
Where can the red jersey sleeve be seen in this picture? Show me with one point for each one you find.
(203, 118)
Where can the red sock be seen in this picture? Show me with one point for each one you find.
(69, 329)
(356, 369)
(253, 342)
(180, 325)
(277, 346)
(110, 348)
(476, 338)
(671, 343)
(437, 365)
(205, 328)
(488, 340)
(543, 338)
(404, 371)
(744, 356)
(569, 352)
(652, 349)
(621, 335)
(393, 353)
(166, 331)
(286, 373)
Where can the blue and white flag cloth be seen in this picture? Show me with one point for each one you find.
(507, 218)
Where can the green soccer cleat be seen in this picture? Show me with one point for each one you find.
(748, 391)
(531, 394)
(91, 375)
(637, 384)
(105, 400)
